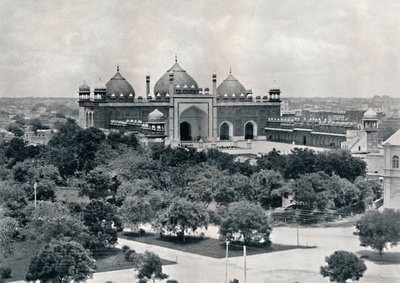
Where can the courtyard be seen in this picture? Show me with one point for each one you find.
(295, 265)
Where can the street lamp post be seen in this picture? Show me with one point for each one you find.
(226, 264)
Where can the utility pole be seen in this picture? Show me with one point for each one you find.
(226, 264)
(297, 230)
(244, 264)
(34, 192)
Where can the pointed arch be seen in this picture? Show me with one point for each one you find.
(198, 122)
(225, 131)
(250, 130)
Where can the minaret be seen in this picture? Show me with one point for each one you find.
(171, 112)
(147, 85)
(214, 111)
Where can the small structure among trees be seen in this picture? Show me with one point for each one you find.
(342, 266)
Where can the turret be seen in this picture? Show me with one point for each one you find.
(214, 84)
(147, 85)
(84, 92)
(275, 93)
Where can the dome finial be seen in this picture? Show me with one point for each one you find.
(176, 57)
(230, 70)
(117, 67)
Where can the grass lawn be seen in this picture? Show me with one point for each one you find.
(387, 257)
(202, 246)
(112, 259)
(70, 195)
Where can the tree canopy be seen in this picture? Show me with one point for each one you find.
(61, 261)
(245, 222)
(343, 265)
(378, 229)
(182, 216)
(149, 267)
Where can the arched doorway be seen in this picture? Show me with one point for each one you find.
(194, 124)
(249, 131)
(224, 132)
(185, 131)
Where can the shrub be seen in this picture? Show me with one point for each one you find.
(125, 248)
(5, 272)
(130, 255)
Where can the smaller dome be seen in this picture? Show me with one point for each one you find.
(84, 87)
(274, 86)
(156, 116)
(100, 85)
(230, 85)
(370, 114)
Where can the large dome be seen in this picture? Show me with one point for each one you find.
(117, 85)
(230, 86)
(181, 78)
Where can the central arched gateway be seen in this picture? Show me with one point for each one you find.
(185, 131)
(193, 124)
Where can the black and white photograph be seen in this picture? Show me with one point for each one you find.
(203, 141)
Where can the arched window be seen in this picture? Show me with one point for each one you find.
(395, 162)
(224, 132)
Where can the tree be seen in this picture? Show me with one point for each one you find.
(341, 163)
(273, 160)
(149, 267)
(313, 191)
(183, 215)
(52, 221)
(299, 162)
(344, 192)
(378, 229)
(245, 222)
(16, 129)
(18, 150)
(103, 223)
(135, 211)
(266, 184)
(8, 231)
(97, 185)
(370, 189)
(61, 261)
(343, 265)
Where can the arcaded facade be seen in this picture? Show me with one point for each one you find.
(189, 113)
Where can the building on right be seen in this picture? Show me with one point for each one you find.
(391, 171)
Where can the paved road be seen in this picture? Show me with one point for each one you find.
(298, 265)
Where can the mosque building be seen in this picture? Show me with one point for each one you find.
(180, 110)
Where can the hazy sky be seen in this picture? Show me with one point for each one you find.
(310, 47)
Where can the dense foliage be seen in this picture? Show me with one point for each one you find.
(61, 261)
(245, 222)
(342, 265)
(177, 190)
(378, 229)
